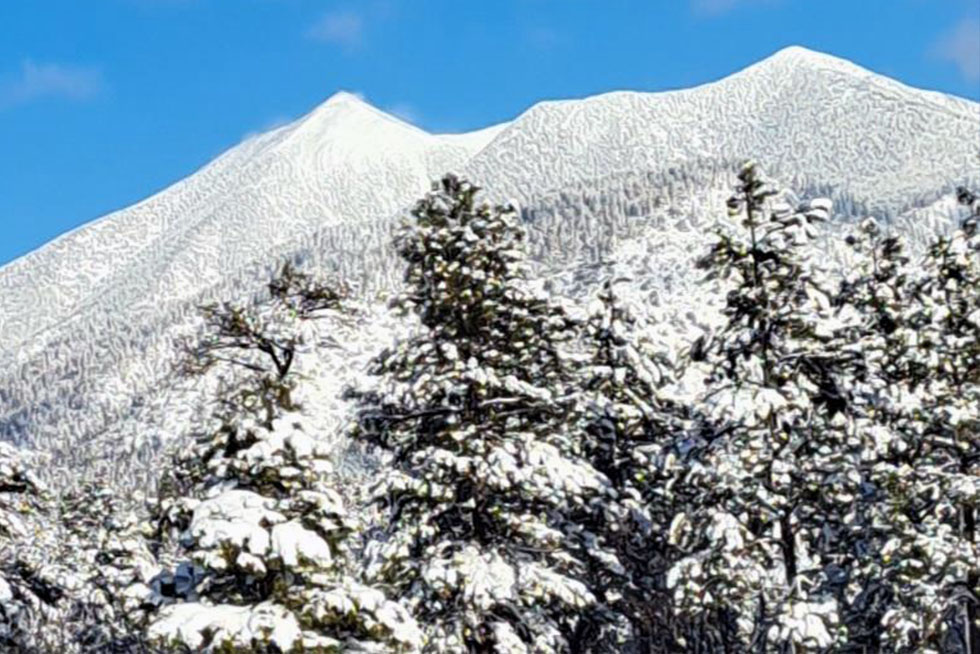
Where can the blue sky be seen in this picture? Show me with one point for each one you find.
(104, 102)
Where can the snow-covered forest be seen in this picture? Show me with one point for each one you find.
(524, 470)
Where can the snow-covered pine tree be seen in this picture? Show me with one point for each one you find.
(265, 536)
(254, 347)
(918, 396)
(117, 576)
(30, 592)
(959, 268)
(268, 539)
(477, 415)
(873, 301)
(777, 482)
(631, 427)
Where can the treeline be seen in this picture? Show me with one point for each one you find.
(550, 475)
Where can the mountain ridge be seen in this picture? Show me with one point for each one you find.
(793, 54)
(88, 319)
(745, 107)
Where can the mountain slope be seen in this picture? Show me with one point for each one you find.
(623, 182)
(345, 161)
(797, 112)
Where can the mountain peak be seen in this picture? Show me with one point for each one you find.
(347, 116)
(797, 55)
(353, 113)
(341, 98)
(798, 51)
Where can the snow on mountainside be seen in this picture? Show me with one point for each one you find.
(797, 112)
(623, 182)
(344, 161)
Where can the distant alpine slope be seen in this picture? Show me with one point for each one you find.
(86, 320)
(799, 113)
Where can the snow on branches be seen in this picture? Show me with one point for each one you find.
(31, 588)
(550, 477)
(917, 398)
(778, 482)
(477, 415)
(264, 540)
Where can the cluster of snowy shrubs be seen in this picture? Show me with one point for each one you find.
(550, 477)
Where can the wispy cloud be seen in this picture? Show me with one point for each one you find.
(37, 81)
(717, 7)
(405, 111)
(268, 126)
(961, 46)
(343, 27)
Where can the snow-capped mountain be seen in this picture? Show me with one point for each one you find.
(345, 161)
(800, 113)
(86, 321)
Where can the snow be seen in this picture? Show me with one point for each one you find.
(476, 140)
(796, 112)
(235, 518)
(486, 579)
(235, 210)
(293, 543)
(214, 628)
(602, 201)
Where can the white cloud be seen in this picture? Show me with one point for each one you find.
(961, 46)
(38, 81)
(344, 28)
(405, 111)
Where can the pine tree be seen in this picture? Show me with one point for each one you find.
(269, 540)
(30, 592)
(265, 537)
(874, 295)
(477, 415)
(118, 576)
(631, 428)
(778, 478)
(919, 395)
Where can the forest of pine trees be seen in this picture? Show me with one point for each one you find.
(548, 476)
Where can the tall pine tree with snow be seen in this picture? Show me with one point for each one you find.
(872, 301)
(631, 427)
(265, 539)
(477, 416)
(918, 396)
(777, 481)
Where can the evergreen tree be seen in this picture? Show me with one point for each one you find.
(874, 294)
(777, 481)
(477, 414)
(118, 578)
(919, 395)
(266, 539)
(30, 591)
(631, 428)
